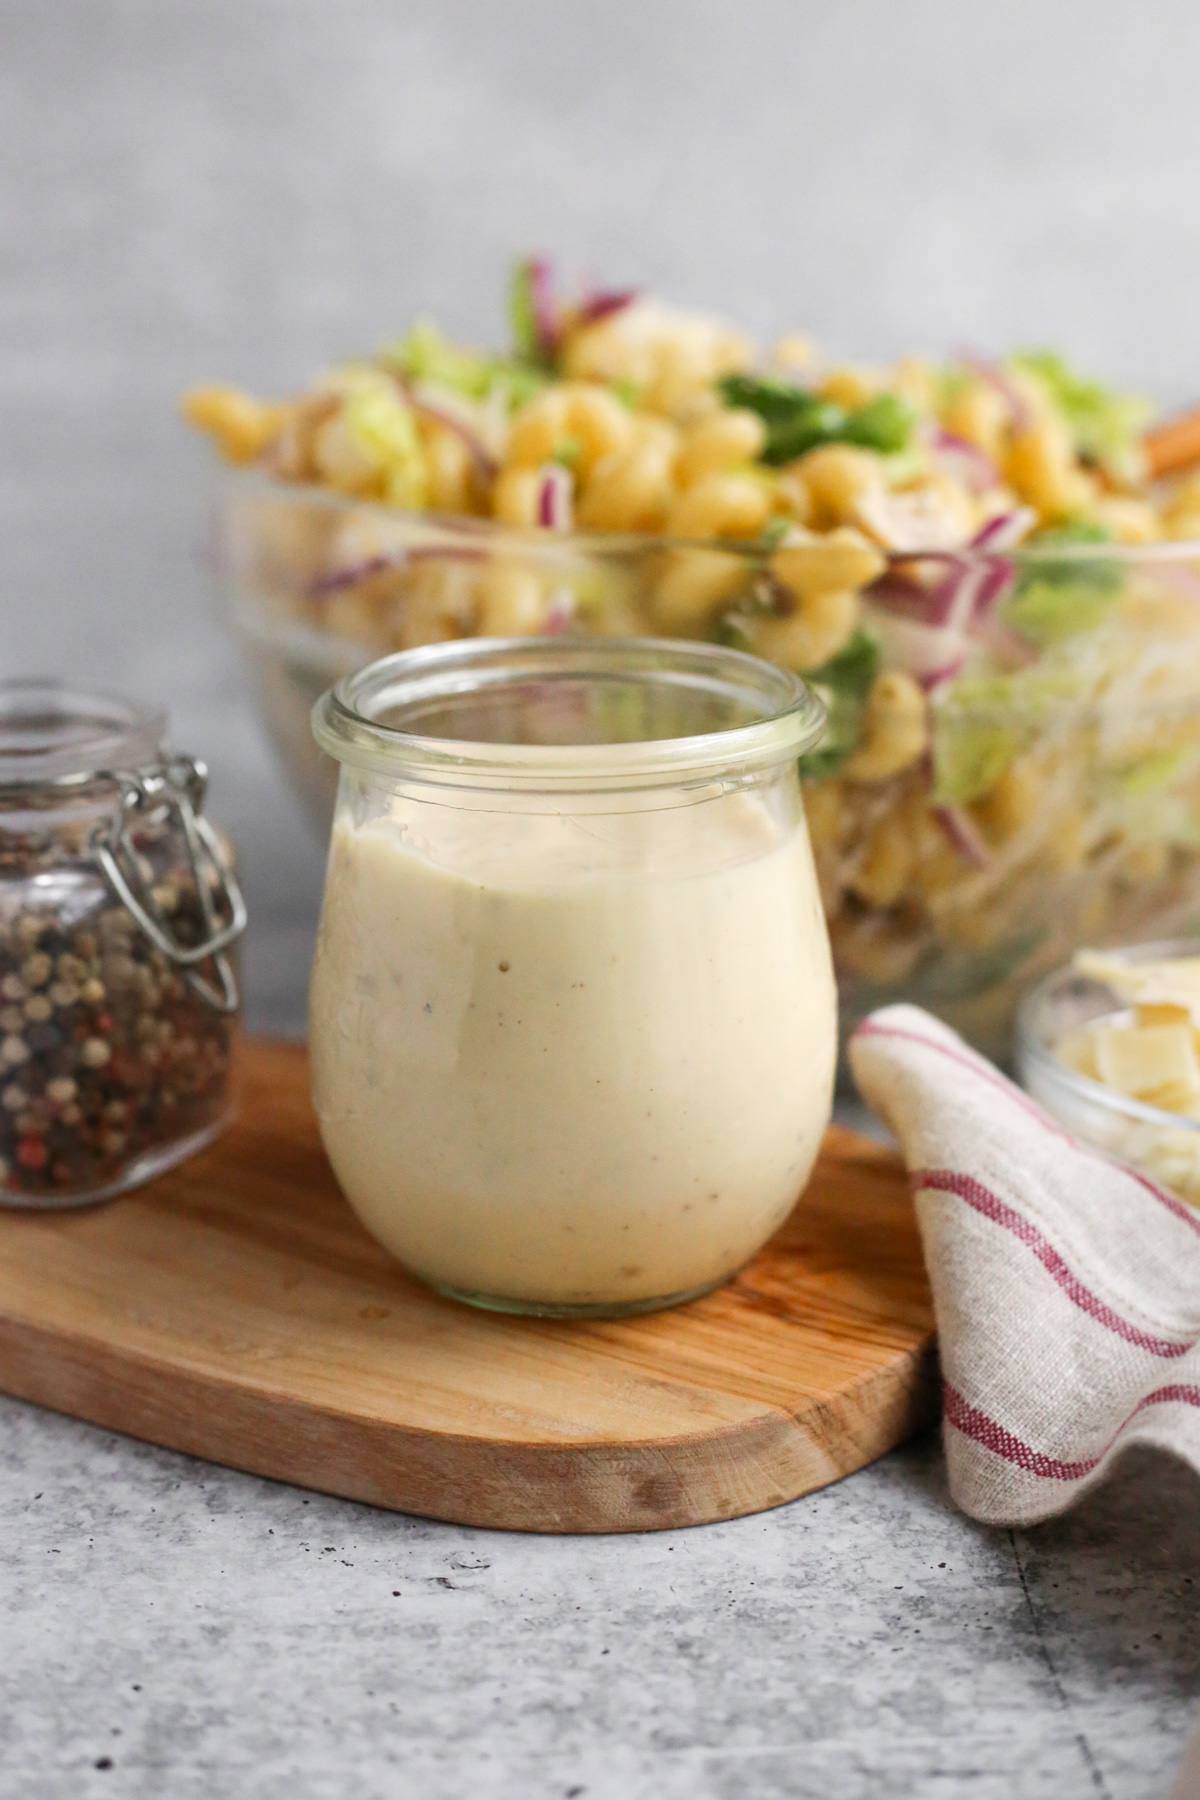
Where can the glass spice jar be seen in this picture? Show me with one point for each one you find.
(119, 909)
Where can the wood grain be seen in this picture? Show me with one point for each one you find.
(236, 1309)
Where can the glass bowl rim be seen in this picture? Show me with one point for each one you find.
(1030, 1046)
(644, 543)
(792, 720)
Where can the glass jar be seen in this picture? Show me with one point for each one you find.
(118, 910)
(573, 1020)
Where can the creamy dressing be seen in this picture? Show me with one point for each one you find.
(573, 1060)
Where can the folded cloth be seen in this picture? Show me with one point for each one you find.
(1067, 1288)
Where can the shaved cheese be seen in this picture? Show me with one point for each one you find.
(1146, 1060)
(1175, 983)
(1078, 1050)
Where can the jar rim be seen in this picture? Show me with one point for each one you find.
(784, 717)
(53, 730)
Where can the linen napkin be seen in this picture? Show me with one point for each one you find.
(1067, 1288)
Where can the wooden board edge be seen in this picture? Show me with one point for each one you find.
(582, 1489)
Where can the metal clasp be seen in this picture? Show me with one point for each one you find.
(179, 784)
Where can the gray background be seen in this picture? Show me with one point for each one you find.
(246, 189)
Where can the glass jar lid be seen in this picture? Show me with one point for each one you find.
(590, 714)
(98, 766)
(52, 732)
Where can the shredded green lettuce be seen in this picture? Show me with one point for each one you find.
(1048, 612)
(1056, 598)
(378, 420)
(1149, 773)
(384, 428)
(984, 723)
(425, 355)
(1105, 425)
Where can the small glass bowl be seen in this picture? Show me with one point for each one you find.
(1163, 1145)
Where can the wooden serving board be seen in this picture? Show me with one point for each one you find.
(236, 1309)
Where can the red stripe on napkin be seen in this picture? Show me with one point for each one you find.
(965, 1187)
(975, 1424)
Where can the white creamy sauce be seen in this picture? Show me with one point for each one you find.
(545, 1075)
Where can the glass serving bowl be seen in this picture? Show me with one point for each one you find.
(1163, 1145)
(1053, 800)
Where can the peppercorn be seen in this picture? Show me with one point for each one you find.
(92, 1015)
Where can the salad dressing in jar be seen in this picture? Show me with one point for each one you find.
(573, 1018)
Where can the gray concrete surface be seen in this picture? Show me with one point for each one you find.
(209, 1634)
(247, 188)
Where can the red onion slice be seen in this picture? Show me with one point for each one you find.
(554, 510)
(561, 614)
(934, 680)
(961, 831)
(350, 574)
(973, 466)
(547, 314)
(901, 592)
(1019, 414)
(956, 598)
(929, 653)
(443, 411)
(1006, 530)
(337, 579)
(602, 305)
(995, 587)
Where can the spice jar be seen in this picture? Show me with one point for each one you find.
(573, 1020)
(118, 912)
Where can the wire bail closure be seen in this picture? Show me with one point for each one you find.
(179, 784)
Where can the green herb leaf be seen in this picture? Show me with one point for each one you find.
(842, 683)
(772, 534)
(884, 424)
(798, 420)
(853, 669)
(776, 402)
